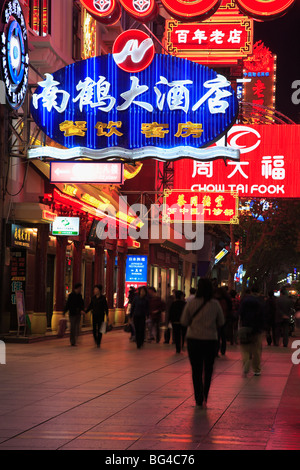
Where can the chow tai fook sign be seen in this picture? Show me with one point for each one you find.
(223, 39)
(96, 110)
(268, 165)
(201, 207)
(109, 11)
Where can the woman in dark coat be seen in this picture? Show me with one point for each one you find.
(99, 309)
(139, 312)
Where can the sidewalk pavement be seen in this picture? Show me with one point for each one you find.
(53, 396)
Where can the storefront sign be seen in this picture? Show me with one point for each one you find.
(14, 58)
(109, 11)
(259, 79)
(68, 226)
(17, 273)
(136, 272)
(86, 172)
(268, 167)
(21, 236)
(202, 207)
(105, 11)
(265, 9)
(141, 10)
(223, 39)
(173, 109)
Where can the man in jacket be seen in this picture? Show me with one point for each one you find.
(252, 318)
(75, 307)
(284, 306)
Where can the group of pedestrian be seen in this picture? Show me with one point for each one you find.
(206, 320)
(145, 314)
(75, 306)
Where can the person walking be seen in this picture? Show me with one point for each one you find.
(234, 317)
(156, 307)
(175, 313)
(226, 304)
(168, 327)
(140, 311)
(202, 317)
(250, 332)
(285, 305)
(99, 308)
(270, 317)
(75, 307)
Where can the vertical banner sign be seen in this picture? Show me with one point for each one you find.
(260, 78)
(136, 272)
(14, 58)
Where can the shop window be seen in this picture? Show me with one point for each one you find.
(40, 17)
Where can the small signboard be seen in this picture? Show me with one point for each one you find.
(86, 172)
(66, 226)
(136, 272)
(21, 314)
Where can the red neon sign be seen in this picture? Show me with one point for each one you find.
(104, 11)
(109, 11)
(186, 10)
(265, 9)
(223, 39)
(205, 207)
(141, 10)
(267, 167)
(133, 51)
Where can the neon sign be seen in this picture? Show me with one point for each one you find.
(14, 58)
(174, 108)
(223, 39)
(109, 11)
(133, 51)
(265, 9)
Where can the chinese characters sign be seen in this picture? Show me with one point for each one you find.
(267, 166)
(173, 104)
(223, 39)
(136, 272)
(260, 78)
(207, 207)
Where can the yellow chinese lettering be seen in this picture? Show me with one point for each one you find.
(180, 200)
(70, 128)
(112, 128)
(155, 130)
(189, 128)
(219, 200)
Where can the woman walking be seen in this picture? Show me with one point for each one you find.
(203, 316)
(139, 311)
(99, 309)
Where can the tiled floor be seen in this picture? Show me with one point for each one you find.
(53, 396)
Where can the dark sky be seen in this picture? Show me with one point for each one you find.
(282, 36)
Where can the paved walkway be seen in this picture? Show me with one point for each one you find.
(53, 396)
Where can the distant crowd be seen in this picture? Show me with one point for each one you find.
(206, 321)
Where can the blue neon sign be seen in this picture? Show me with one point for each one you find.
(174, 108)
(136, 268)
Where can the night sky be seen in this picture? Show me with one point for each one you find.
(282, 37)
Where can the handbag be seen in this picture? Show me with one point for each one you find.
(245, 335)
(103, 327)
